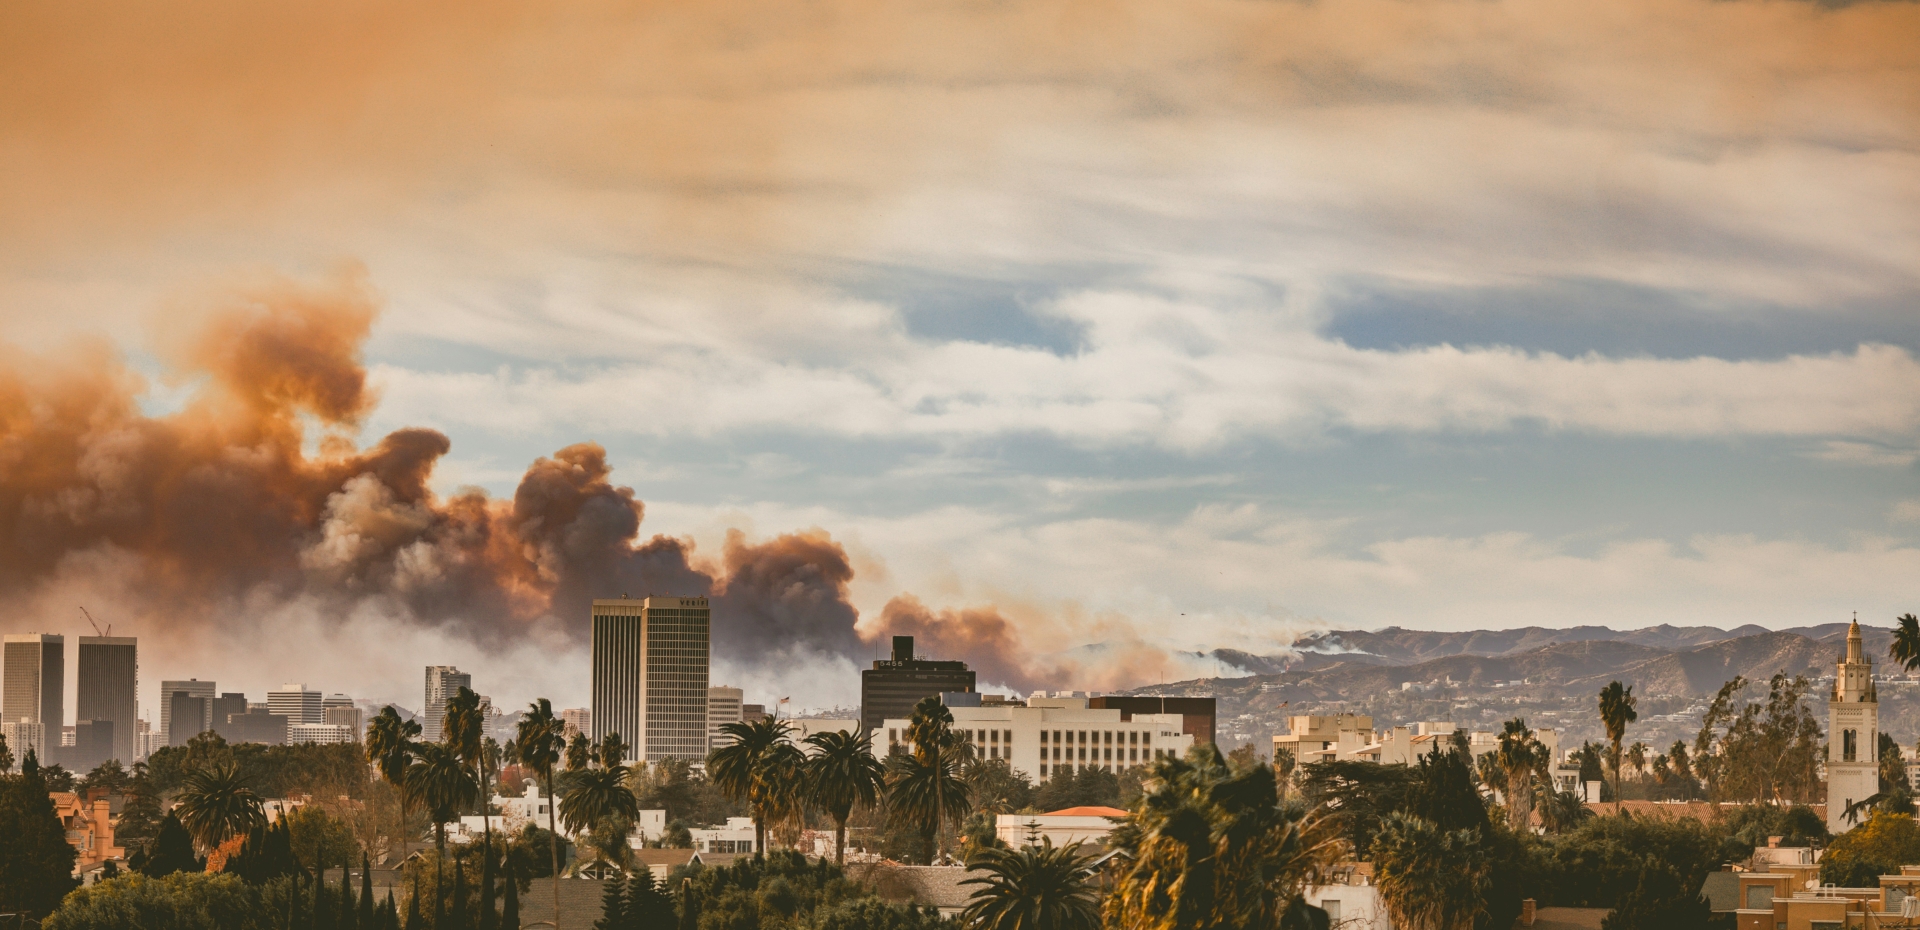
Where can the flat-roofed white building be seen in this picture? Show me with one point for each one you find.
(322, 733)
(1048, 735)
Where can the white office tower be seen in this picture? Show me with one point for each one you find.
(145, 740)
(723, 707)
(296, 703)
(443, 682)
(33, 679)
(650, 674)
(1853, 734)
(577, 720)
(193, 688)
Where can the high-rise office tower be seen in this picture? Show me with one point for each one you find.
(33, 681)
(109, 693)
(443, 682)
(226, 705)
(185, 710)
(723, 707)
(889, 689)
(650, 674)
(94, 742)
(296, 703)
(192, 687)
(339, 710)
(577, 720)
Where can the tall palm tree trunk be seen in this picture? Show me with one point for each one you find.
(553, 844)
(840, 841)
(439, 874)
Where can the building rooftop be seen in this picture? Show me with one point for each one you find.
(1087, 812)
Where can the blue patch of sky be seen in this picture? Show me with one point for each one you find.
(1581, 492)
(1573, 317)
(1005, 310)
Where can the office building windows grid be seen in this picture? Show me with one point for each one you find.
(676, 683)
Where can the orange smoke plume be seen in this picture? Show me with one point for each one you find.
(220, 502)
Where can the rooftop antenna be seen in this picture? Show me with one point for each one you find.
(96, 626)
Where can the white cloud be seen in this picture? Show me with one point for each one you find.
(1907, 511)
(1179, 374)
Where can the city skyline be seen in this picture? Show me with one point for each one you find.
(1078, 349)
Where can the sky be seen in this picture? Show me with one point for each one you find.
(1150, 328)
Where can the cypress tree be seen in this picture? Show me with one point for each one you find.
(413, 907)
(366, 893)
(510, 909)
(349, 915)
(389, 914)
(613, 906)
(459, 915)
(689, 906)
(323, 908)
(489, 918)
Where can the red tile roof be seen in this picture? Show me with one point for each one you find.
(1087, 812)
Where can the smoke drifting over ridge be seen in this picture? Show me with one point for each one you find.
(232, 502)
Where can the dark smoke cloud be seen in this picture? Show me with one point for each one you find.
(221, 504)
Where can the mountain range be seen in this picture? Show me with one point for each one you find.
(1659, 660)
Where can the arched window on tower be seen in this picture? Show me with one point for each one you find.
(1849, 745)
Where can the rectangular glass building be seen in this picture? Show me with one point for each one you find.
(650, 660)
(108, 694)
(33, 680)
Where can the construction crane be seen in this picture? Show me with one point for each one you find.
(96, 626)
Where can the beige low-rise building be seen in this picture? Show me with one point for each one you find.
(1088, 826)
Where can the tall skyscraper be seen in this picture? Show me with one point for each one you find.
(33, 682)
(192, 687)
(443, 682)
(650, 674)
(578, 720)
(890, 688)
(296, 703)
(109, 693)
(723, 707)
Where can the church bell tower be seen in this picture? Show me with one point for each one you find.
(1853, 734)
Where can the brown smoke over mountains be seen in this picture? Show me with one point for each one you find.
(234, 500)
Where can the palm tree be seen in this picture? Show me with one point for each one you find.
(613, 750)
(1906, 641)
(924, 787)
(440, 781)
(389, 746)
(1032, 888)
(741, 769)
(1563, 811)
(1616, 711)
(1209, 847)
(216, 805)
(537, 744)
(841, 774)
(463, 732)
(1429, 878)
(596, 797)
(1520, 758)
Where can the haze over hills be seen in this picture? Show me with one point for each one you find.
(1550, 676)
